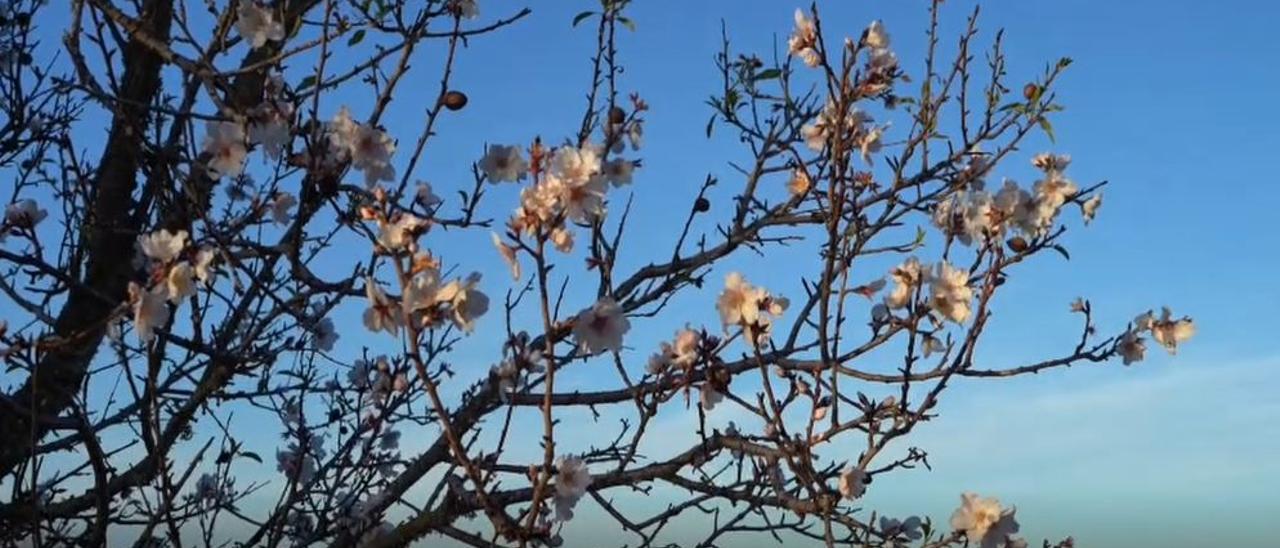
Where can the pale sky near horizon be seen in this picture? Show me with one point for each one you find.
(1170, 101)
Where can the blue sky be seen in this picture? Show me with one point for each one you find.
(1169, 102)
(1172, 102)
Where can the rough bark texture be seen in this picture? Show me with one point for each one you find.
(108, 235)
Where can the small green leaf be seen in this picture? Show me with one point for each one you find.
(1016, 107)
(578, 18)
(251, 455)
(1063, 251)
(1048, 129)
(768, 74)
(919, 238)
(631, 25)
(307, 82)
(356, 38)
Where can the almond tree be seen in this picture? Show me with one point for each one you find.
(162, 283)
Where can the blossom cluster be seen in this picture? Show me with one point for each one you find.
(975, 215)
(572, 480)
(749, 307)
(173, 269)
(949, 295)
(1167, 331)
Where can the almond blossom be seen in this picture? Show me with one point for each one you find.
(149, 310)
(853, 483)
(368, 148)
(402, 234)
(163, 246)
(25, 213)
(224, 142)
(572, 480)
(508, 254)
(876, 37)
(803, 42)
(906, 278)
(203, 265)
(382, 314)
(466, 9)
(1089, 209)
(503, 164)
(562, 239)
(425, 196)
(908, 528)
(269, 127)
(257, 24)
(799, 183)
(618, 171)
(984, 521)
(180, 282)
(1169, 331)
(323, 335)
(280, 206)
(466, 303)
(950, 294)
(682, 352)
(583, 199)
(750, 307)
(708, 396)
(1131, 347)
(601, 326)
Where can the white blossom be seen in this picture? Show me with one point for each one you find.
(572, 480)
(224, 142)
(401, 234)
(1169, 331)
(257, 24)
(466, 9)
(508, 254)
(324, 335)
(803, 42)
(382, 314)
(465, 302)
(984, 521)
(25, 213)
(906, 278)
(425, 196)
(562, 238)
(618, 171)
(1089, 209)
(601, 326)
(853, 483)
(876, 37)
(280, 206)
(269, 127)
(163, 246)
(149, 310)
(708, 396)
(950, 294)
(1131, 347)
(503, 164)
(203, 265)
(180, 282)
(908, 528)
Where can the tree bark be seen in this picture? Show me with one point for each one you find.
(108, 234)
